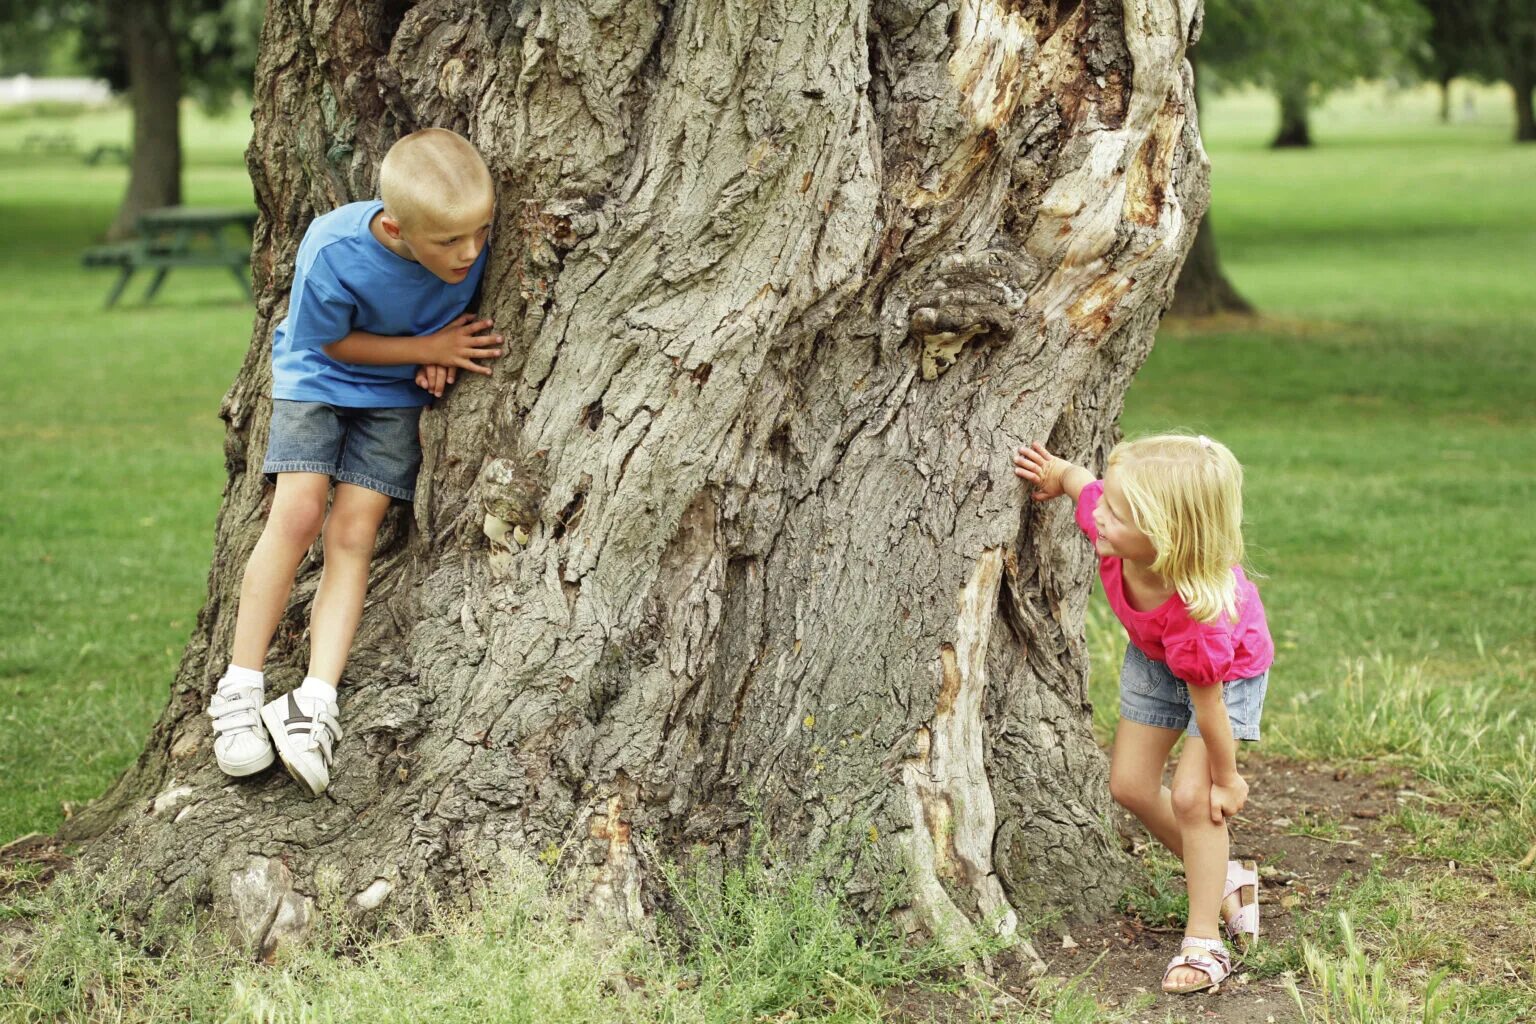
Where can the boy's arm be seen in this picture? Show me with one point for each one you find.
(1051, 476)
(456, 345)
(1229, 790)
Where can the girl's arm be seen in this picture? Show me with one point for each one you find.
(1229, 790)
(1051, 476)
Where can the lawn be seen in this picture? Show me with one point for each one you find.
(1384, 406)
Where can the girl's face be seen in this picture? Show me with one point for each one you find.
(1118, 535)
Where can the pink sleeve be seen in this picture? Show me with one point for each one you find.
(1202, 658)
(1087, 501)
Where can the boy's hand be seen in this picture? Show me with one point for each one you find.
(460, 343)
(1227, 800)
(1041, 468)
(435, 378)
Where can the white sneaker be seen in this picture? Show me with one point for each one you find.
(240, 744)
(304, 727)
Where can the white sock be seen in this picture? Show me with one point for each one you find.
(313, 686)
(236, 676)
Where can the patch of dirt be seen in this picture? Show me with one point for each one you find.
(30, 861)
(1297, 874)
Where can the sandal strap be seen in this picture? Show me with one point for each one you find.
(1215, 947)
(1238, 877)
(1215, 970)
(1244, 921)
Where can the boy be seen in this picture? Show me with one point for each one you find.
(379, 293)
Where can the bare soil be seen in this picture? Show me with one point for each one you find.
(1297, 873)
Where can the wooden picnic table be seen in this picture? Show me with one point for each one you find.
(179, 236)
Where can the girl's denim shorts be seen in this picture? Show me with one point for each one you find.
(1151, 694)
(373, 448)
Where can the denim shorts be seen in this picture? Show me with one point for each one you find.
(373, 448)
(1152, 695)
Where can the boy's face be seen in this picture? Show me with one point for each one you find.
(447, 246)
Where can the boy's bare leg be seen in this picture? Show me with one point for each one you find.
(1206, 848)
(298, 509)
(1136, 779)
(350, 531)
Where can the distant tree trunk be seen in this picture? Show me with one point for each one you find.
(1295, 132)
(1203, 288)
(1445, 97)
(732, 532)
(154, 87)
(1523, 80)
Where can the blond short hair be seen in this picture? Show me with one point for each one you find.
(1186, 494)
(431, 176)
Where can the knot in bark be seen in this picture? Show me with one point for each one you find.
(973, 295)
(510, 496)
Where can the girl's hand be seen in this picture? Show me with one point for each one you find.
(1229, 799)
(1041, 468)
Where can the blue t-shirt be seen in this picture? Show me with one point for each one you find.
(344, 281)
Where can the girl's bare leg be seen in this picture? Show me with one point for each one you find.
(1206, 848)
(1136, 779)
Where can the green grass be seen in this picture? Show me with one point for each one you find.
(1384, 407)
(112, 462)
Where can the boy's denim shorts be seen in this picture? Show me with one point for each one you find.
(1151, 694)
(373, 448)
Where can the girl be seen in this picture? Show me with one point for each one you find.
(1166, 523)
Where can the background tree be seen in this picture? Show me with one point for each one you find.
(1493, 40)
(1303, 49)
(1511, 32)
(1296, 51)
(731, 533)
(156, 52)
(1203, 288)
(1455, 44)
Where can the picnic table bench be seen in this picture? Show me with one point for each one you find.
(107, 151)
(178, 236)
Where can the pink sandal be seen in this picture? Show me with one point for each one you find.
(1242, 925)
(1215, 963)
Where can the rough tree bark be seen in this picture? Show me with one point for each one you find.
(154, 87)
(732, 532)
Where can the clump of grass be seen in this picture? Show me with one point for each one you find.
(1472, 738)
(1351, 988)
(1161, 900)
(1423, 947)
(758, 941)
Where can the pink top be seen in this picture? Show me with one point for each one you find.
(1199, 653)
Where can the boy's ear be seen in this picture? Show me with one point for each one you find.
(390, 225)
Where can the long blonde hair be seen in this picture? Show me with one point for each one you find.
(1186, 494)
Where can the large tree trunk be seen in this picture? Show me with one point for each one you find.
(1295, 131)
(154, 86)
(784, 284)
